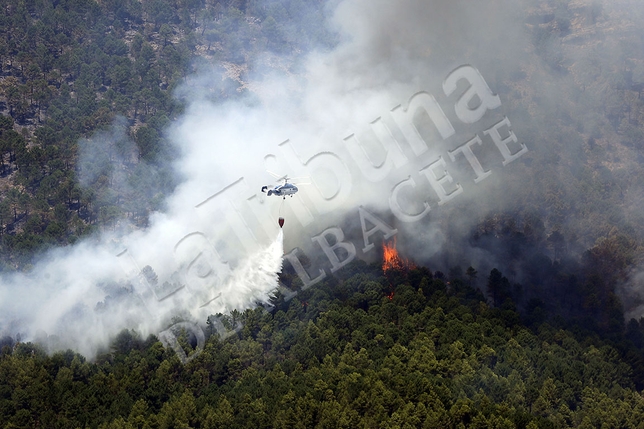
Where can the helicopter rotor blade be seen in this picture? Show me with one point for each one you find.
(299, 180)
(286, 179)
(275, 175)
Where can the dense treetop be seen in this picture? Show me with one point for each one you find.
(347, 353)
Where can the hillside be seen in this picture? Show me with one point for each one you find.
(87, 90)
(121, 119)
(347, 353)
(574, 98)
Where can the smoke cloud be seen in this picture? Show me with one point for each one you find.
(423, 119)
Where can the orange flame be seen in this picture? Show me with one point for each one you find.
(391, 259)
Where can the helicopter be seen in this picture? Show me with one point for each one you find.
(283, 189)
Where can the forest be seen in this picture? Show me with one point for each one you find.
(410, 348)
(549, 337)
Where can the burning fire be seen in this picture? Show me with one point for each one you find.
(392, 260)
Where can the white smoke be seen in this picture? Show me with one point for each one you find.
(81, 296)
(213, 248)
(70, 300)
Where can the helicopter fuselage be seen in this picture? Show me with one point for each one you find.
(281, 190)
